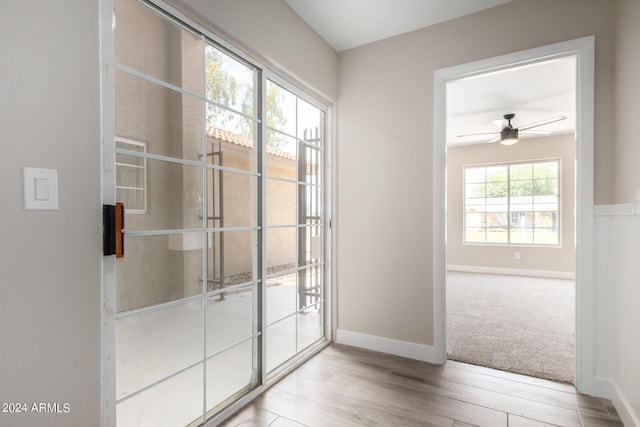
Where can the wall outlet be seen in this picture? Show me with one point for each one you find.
(516, 255)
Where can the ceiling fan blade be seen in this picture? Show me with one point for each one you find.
(500, 124)
(496, 139)
(535, 132)
(477, 134)
(542, 122)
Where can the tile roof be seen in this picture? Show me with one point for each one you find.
(233, 138)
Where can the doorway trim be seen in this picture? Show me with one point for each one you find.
(583, 49)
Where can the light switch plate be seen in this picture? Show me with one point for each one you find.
(40, 189)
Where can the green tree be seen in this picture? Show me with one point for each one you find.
(228, 90)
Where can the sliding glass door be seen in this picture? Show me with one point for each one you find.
(222, 175)
(295, 224)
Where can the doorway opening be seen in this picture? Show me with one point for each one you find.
(510, 210)
(517, 231)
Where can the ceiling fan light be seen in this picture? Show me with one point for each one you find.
(508, 141)
(508, 136)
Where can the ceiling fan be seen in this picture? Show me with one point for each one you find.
(508, 135)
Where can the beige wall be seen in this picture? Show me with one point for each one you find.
(621, 262)
(626, 186)
(385, 138)
(50, 261)
(558, 259)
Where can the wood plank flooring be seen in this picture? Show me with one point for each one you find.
(347, 386)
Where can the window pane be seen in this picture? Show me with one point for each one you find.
(474, 175)
(475, 235)
(309, 287)
(476, 204)
(147, 343)
(158, 269)
(174, 198)
(475, 220)
(228, 373)
(546, 228)
(545, 170)
(230, 199)
(475, 227)
(312, 166)
(310, 121)
(309, 326)
(497, 204)
(282, 197)
(544, 186)
(174, 402)
(282, 151)
(281, 296)
(311, 243)
(228, 81)
(521, 172)
(475, 190)
(230, 129)
(497, 173)
(229, 318)
(520, 188)
(146, 111)
(497, 226)
(281, 109)
(521, 204)
(233, 264)
(497, 189)
(281, 248)
(149, 43)
(311, 209)
(281, 342)
(521, 235)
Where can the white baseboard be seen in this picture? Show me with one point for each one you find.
(569, 275)
(407, 349)
(606, 388)
(625, 410)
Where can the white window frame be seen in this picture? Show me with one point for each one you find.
(509, 241)
(143, 168)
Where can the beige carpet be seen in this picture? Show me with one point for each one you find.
(517, 324)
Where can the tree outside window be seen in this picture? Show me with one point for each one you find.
(514, 203)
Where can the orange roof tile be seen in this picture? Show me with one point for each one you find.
(233, 138)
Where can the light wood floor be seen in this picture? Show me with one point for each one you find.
(345, 386)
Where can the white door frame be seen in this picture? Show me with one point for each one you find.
(583, 49)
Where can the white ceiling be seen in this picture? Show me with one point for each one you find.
(345, 24)
(533, 92)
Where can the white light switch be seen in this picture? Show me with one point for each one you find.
(40, 189)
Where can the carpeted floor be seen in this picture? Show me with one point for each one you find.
(518, 324)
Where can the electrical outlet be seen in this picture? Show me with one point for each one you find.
(516, 255)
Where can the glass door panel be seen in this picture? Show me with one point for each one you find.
(230, 374)
(295, 255)
(198, 180)
(157, 344)
(188, 288)
(281, 342)
(176, 401)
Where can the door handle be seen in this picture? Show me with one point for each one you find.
(113, 229)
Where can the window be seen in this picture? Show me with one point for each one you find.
(131, 177)
(515, 203)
